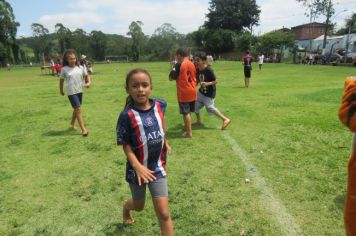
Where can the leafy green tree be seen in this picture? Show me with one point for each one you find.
(234, 15)
(274, 40)
(164, 40)
(138, 39)
(98, 44)
(80, 41)
(64, 36)
(41, 43)
(349, 24)
(320, 7)
(244, 41)
(8, 30)
(118, 45)
(214, 41)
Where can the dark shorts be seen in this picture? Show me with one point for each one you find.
(186, 107)
(76, 100)
(247, 72)
(158, 188)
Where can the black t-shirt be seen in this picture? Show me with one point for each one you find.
(207, 75)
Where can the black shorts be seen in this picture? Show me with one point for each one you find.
(76, 100)
(186, 107)
(247, 72)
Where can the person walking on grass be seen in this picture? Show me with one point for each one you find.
(186, 89)
(261, 57)
(207, 91)
(76, 77)
(141, 131)
(247, 61)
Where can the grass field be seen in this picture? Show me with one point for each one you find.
(285, 137)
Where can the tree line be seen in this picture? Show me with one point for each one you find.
(227, 29)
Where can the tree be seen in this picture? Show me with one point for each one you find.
(214, 41)
(234, 15)
(164, 39)
(138, 38)
(80, 41)
(350, 24)
(8, 30)
(41, 41)
(244, 41)
(320, 7)
(98, 44)
(64, 36)
(274, 40)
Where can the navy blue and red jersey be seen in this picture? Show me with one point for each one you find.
(144, 131)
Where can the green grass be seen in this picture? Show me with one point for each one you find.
(55, 182)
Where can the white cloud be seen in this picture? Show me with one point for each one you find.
(186, 16)
(71, 20)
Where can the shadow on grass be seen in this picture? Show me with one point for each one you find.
(119, 229)
(66, 132)
(340, 202)
(177, 131)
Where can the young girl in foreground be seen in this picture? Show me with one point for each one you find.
(140, 130)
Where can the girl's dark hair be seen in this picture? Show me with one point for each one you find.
(65, 55)
(201, 55)
(129, 100)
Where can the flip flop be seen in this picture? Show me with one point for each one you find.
(225, 124)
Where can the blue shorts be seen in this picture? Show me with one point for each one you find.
(158, 188)
(76, 100)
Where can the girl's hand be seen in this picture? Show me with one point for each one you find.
(203, 84)
(144, 173)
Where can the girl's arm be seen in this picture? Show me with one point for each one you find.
(87, 80)
(169, 149)
(61, 82)
(142, 172)
(206, 84)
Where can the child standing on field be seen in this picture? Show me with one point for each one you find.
(207, 91)
(140, 130)
(75, 77)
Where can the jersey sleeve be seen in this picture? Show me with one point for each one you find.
(163, 104)
(123, 129)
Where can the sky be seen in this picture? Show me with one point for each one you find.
(115, 16)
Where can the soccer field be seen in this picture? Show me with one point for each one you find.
(285, 137)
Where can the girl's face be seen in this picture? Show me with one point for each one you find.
(71, 59)
(140, 88)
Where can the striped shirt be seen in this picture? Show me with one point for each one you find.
(144, 131)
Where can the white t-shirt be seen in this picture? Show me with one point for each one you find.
(73, 76)
(260, 59)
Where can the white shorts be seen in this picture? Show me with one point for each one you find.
(207, 102)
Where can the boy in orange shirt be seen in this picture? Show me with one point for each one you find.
(186, 89)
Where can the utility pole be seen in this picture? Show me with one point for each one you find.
(328, 15)
(347, 42)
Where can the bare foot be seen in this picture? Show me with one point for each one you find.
(197, 123)
(72, 127)
(126, 216)
(225, 123)
(186, 135)
(85, 133)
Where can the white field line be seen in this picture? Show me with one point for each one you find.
(275, 206)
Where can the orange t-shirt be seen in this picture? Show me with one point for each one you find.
(186, 82)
